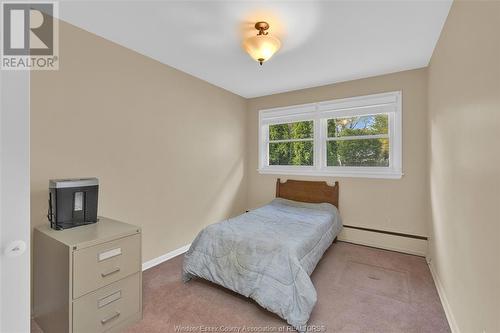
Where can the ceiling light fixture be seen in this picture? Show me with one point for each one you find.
(263, 46)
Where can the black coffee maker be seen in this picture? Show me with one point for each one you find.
(72, 202)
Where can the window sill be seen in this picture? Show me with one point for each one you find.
(360, 173)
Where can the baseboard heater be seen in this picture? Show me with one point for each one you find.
(386, 232)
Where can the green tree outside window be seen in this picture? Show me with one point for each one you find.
(291, 152)
(349, 148)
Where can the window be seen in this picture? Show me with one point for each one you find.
(352, 137)
(291, 143)
(358, 141)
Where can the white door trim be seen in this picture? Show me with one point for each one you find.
(15, 227)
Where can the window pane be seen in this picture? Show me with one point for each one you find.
(291, 153)
(362, 125)
(298, 130)
(361, 152)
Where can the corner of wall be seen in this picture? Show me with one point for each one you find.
(442, 296)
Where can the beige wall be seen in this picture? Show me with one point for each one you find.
(169, 149)
(397, 205)
(464, 115)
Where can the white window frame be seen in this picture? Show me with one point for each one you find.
(389, 103)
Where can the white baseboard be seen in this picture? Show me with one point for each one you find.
(384, 241)
(444, 300)
(167, 256)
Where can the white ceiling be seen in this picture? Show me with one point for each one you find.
(322, 41)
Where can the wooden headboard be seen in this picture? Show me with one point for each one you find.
(308, 191)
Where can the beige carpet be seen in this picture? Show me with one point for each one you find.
(360, 289)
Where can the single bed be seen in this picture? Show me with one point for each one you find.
(269, 253)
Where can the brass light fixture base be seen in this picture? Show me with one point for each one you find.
(262, 27)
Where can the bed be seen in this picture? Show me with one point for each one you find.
(269, 253)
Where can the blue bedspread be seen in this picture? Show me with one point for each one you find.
(268, 255)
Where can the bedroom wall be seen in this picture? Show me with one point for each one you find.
(169, 149)
(464, 116)
(400, 205)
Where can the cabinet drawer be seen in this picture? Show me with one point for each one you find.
(100, 265)
(105, 308)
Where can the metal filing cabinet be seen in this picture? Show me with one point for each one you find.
(87, 279)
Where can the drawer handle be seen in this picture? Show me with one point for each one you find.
(116, 270)
(113, 316)
(109, 299)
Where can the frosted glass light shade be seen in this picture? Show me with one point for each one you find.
(261, 47)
